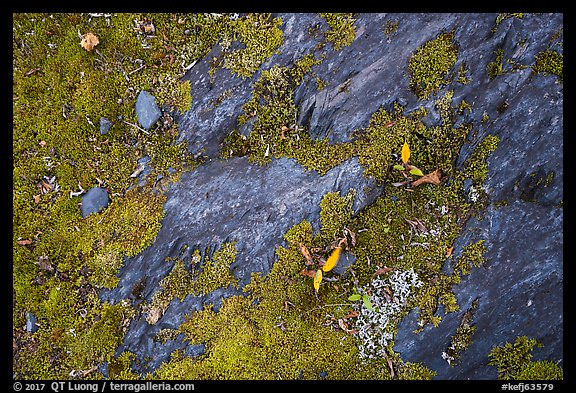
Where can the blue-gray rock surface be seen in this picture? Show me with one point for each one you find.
(105, 125)
(147, 110)
(94, 201)
(519, 289)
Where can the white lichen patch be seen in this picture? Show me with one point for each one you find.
(388, 297)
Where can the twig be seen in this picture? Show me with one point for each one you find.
(124, 72)
(134, 125)
(137, 69)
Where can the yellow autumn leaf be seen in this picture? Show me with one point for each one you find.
(317, 279)
(405, 153)
(332, 260)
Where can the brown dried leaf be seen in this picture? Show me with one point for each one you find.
(24, 242)
(37, 198)
(344, 327)
(449, 252)
(432, 178)
(89, 41)
(353, 314)
(383, 270)
(308, 273)
(306, 253)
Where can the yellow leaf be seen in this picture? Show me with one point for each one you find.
(317, 279)
(405, 153)
(332, 260)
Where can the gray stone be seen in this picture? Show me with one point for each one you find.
(147, 111)
(105, 125)
(94, 201)
(31, 323)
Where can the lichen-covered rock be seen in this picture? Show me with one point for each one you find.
(147, 110)
(94, 201)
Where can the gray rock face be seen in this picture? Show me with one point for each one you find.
(519, 290)
(94, 201)
(147, 111)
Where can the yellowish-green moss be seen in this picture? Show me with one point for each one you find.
(279, 331)
(342, 31)
(274, 132)
(390, 28)
(540, 370)
(496, 68)
(506, 15)
(261, 36)
(514, 361)
(193, 278)
(430, 65)
(549, 62)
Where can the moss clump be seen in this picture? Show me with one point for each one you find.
(431, 63)
(506, 15)
(476, 167)
(390, 28)
(260, 35)
(414, 372)
(193, 278)
(549, 62)
(462, 339)
(514, 361)
(540, 370)
(274, 131)
(496, 68)
(342, 31)
(472, 255)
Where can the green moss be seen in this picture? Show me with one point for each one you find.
(260, 35)
(506, 15)
(462, 338)
(549, 62)
(495, 68)
(193, 278)
(342, 30)
(335, 212)
(274, 132)
(431, 63)
(390, 28)
(260, 336)
(119, 367)
(476, 167)
(514, 361)
(472, 255)
(57, 108)
(540, 370)
(321, 84)
(414, 371)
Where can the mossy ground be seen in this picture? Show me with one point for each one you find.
(60, 91)
(281, 328)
